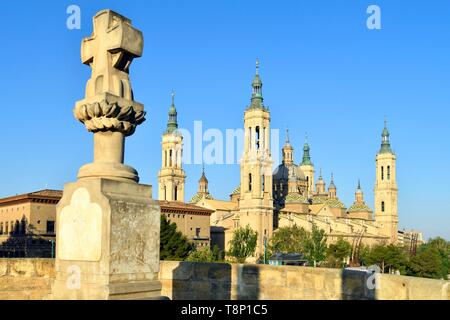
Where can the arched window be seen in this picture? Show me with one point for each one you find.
(175, 196)
(382, 173)
(389, 172)
(165, 194)
(263, 182)
(258, 137)
(382, 206)
(170, 157)
(249, 182)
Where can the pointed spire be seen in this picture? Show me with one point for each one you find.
(332, 185)
(385, 143)
(172, 124)
(287, 142)
(359, 197)
(288, 151)
(320, 184)
(306, 155)
(203, 177)
(257, 98)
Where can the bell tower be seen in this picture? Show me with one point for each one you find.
(256, 203)
(171, 176)
(386, 191)
(307, 167)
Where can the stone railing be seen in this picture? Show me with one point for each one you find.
(24, 279)
(184, 280)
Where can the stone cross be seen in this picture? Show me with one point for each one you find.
(108, 109)
(108, 225)
(109, 51)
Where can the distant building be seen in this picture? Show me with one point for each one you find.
(27, 224)
(291, 195)
(191, 220)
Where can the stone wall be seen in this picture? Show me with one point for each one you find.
(26, 279)
(184, 280)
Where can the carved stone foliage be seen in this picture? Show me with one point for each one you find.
(109, 116)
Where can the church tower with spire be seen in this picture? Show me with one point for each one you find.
(320, 186)
(171, 177)
(332, 190)
(256, 202)
(287, 151)
(386, 191)
(307, 167)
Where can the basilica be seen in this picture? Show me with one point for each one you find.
(267, 199)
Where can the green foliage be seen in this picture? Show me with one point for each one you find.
(288, 240)
(315, 246)
(173, 244)
(364, 253)
(206, 255)
(388, 258)
(217, 254)
(427, 263)
(443, 248)
(338, 253)
(243, 244)
(432, 260)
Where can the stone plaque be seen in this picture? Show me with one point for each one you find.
(80, 229)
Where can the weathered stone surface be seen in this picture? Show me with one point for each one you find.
(180, 281)
(108, 109)
(187, 281)
(126, 253)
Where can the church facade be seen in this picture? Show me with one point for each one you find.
(267, 199)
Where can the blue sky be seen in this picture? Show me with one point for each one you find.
(324, 72)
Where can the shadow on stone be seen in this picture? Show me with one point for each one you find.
(247, 282)
(356, 285)
(201, 281)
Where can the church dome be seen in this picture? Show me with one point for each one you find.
(296, 198)
(359, 207)
(236, 191)
(288, 172)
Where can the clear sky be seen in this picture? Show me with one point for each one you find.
(324, 72)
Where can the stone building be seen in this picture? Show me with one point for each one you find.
(267, 200)
(191, 220)
(27, 223)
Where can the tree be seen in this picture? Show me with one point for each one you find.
(338, 252)
(243, 244)
(315, 246)
(288, 240)
(217, 254)
(443, 248)
(364, 253)
(388, 258)
(206, 255)
(427, 263)
(173, 244)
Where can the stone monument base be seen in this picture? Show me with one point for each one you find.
(107, 243)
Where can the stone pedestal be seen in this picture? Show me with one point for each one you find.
(107, 241)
